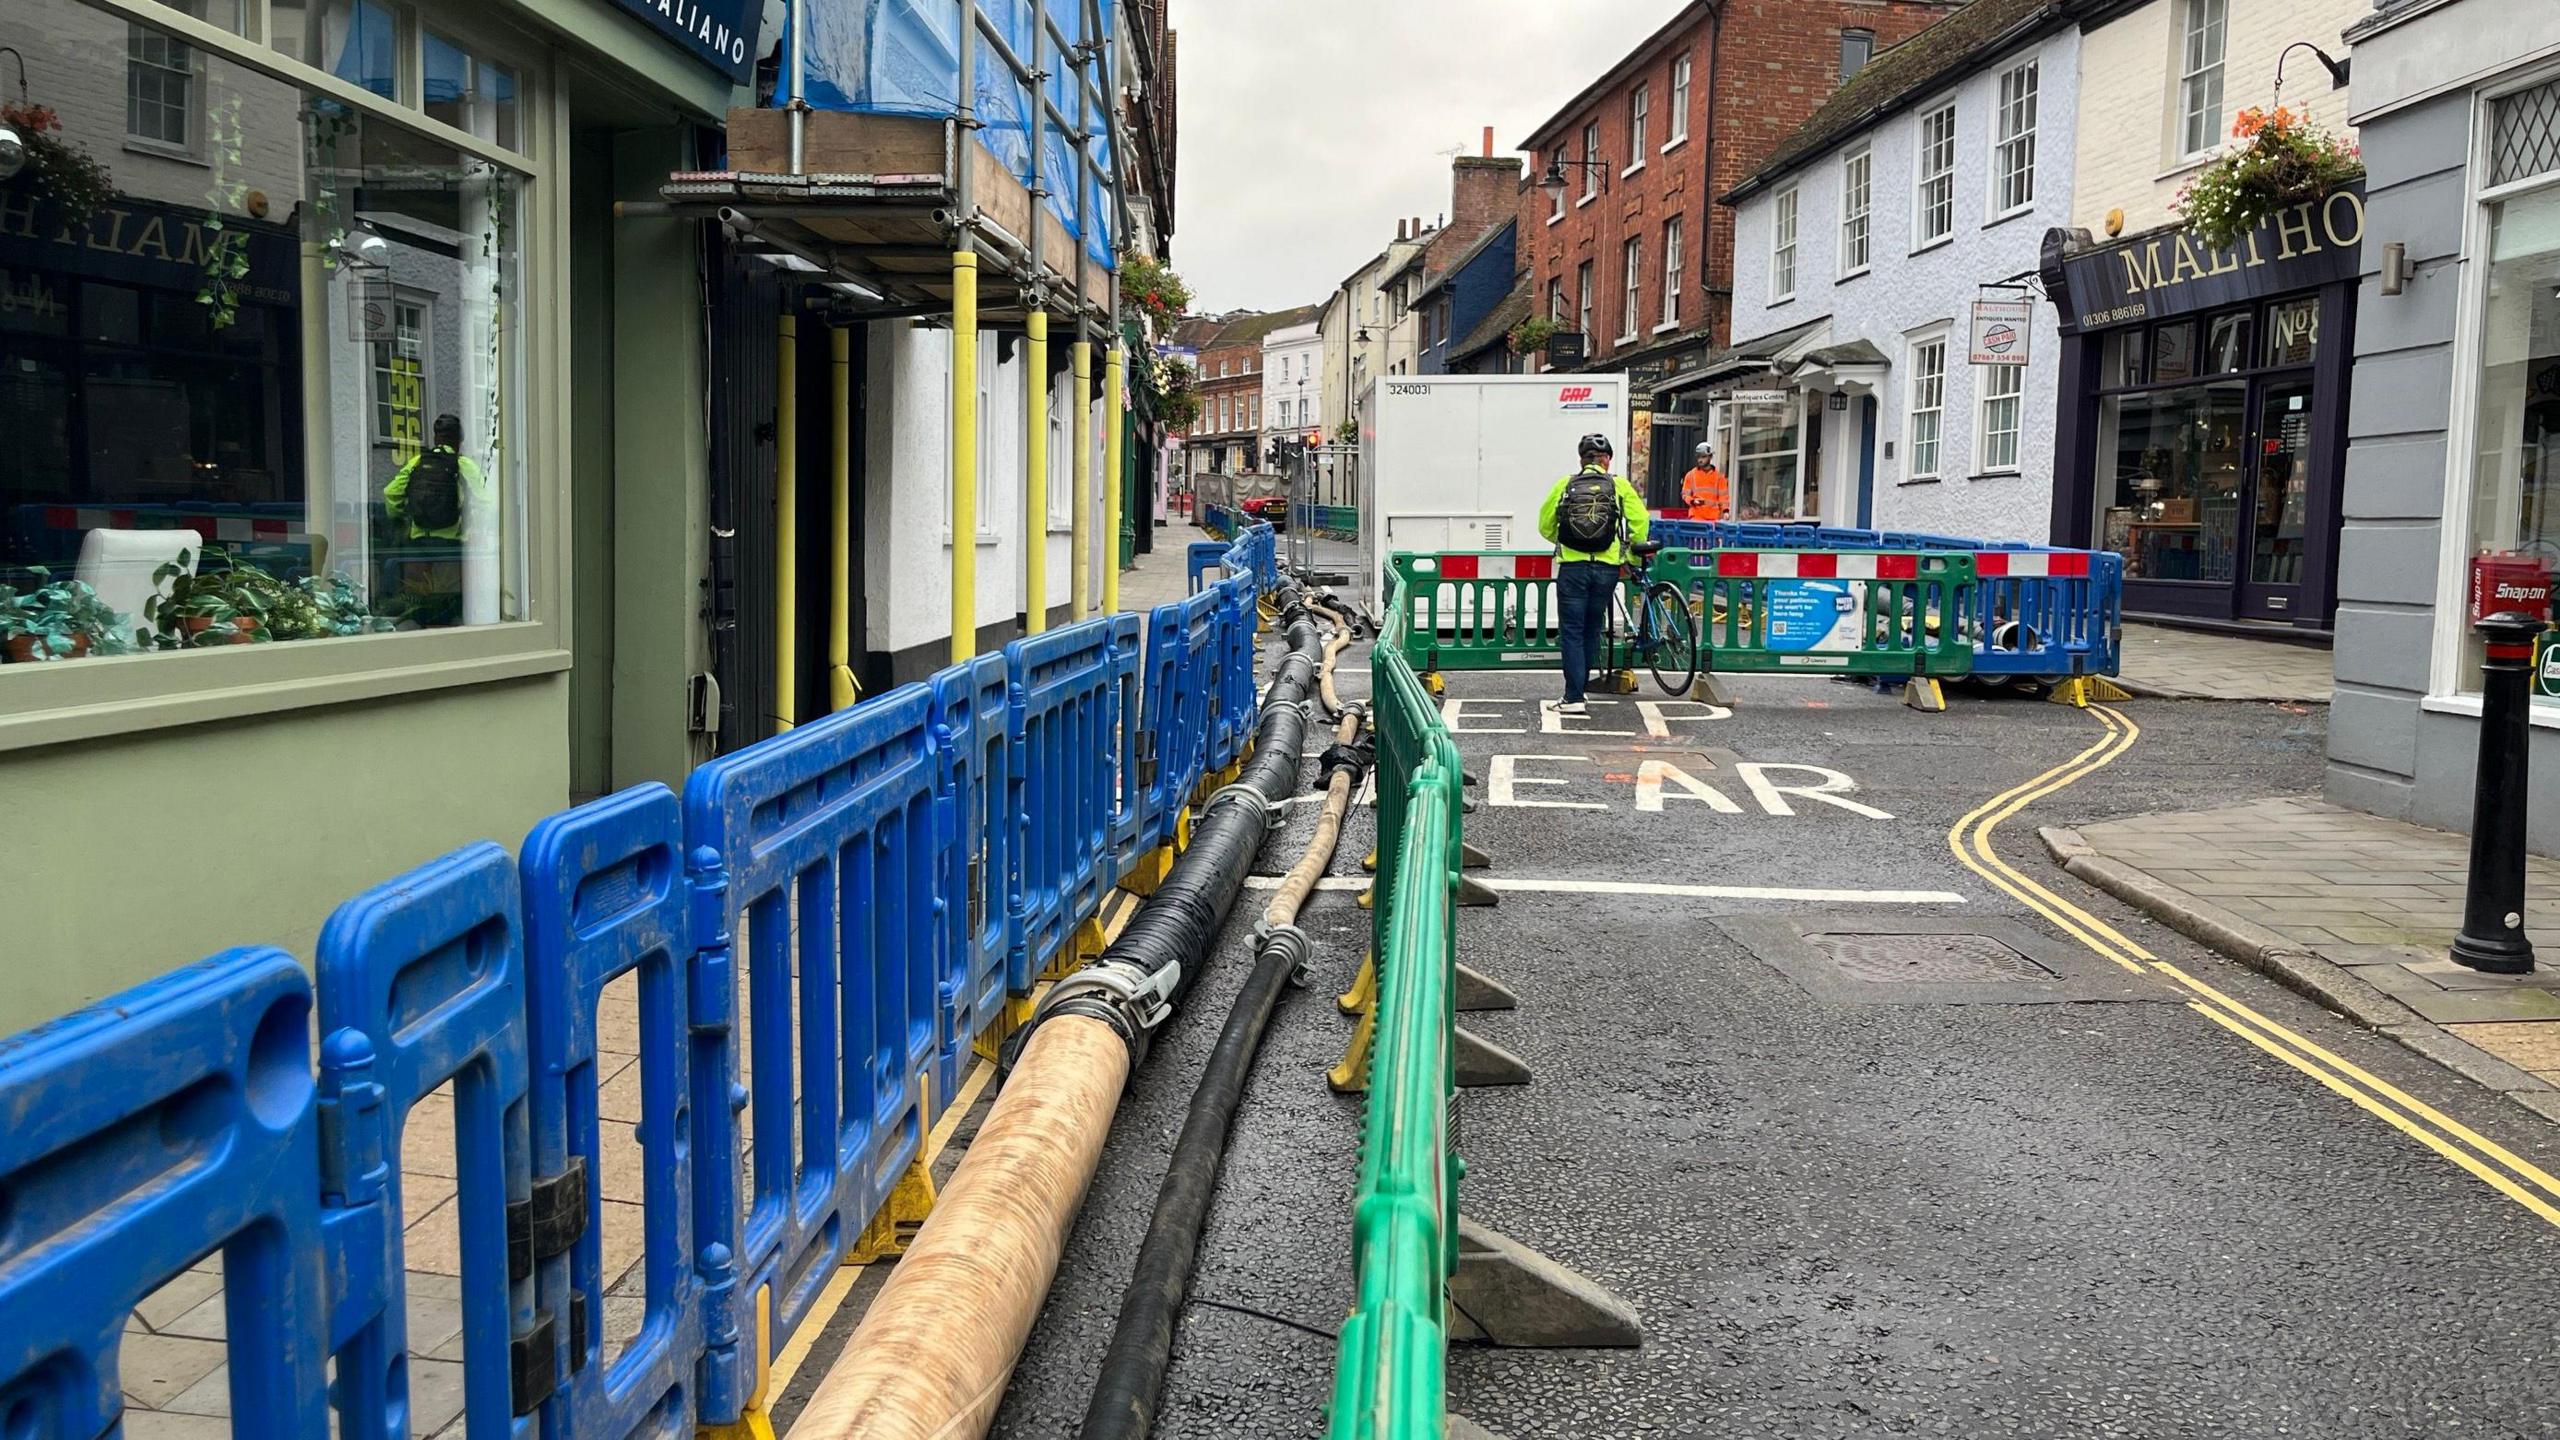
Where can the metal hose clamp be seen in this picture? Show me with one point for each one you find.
(1261, 802)
(1131, 1001)
(1292, 942)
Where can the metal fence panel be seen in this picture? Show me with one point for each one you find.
(137, 1137)
(605, 896)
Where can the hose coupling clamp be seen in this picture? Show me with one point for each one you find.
(1291, 942)
(1132, 1001)
(1241, 791)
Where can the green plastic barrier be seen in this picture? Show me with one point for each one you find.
(1496, 610)
(1391, 1377)
(1840, 612)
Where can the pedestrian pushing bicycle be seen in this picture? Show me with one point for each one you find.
(1597, 523)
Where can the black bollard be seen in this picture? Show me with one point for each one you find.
(2493, 936)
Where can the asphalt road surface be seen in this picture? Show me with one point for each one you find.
(2074, 1207)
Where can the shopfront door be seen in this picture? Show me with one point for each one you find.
(2278, 500)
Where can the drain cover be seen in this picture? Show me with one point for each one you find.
(1946, 959)
(1914, 961)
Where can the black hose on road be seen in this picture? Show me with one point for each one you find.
(1131, 1384)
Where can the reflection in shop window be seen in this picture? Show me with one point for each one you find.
(2515, 495)
(1765, 449)
(224, 441)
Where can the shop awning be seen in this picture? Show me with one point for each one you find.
(1753, 359)
(1858, 365)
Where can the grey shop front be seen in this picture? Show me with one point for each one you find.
(2202, 427)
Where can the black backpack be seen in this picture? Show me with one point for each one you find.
(433, 500)
(1587, 515)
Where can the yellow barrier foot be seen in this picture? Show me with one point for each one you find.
(1475, 990)
(1364, 987)
(1709, 690)
(1350, 1074)
(1621, 682)
(2083, 691)
(753, 1425)
(1432, 682)
(1090, 941)
(1149, 872)
(1505, 1293)
(1182, 831)
(889, 1232)
(1479, 1062)
(1369, 896)
(1922, 693)
(1369, 861)
(990, 1042)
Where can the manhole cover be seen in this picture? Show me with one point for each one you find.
(1946, 959)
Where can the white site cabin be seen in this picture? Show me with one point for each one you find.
(1461, 463)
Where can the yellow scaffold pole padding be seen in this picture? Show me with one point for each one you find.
(841, 689)
(1035, 478)
(786, 527)
(1113, 406)
(964, 455)
(1080, 480)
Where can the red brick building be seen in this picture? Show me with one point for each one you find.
(1634, 256)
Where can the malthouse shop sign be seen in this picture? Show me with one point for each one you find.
(2168, 272)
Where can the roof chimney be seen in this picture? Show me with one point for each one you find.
(1400, 230)
(1488, 142)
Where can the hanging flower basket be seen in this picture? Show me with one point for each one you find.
(1532, 335)
(2283, 159)
(63, 173)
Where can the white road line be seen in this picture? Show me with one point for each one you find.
(1638, 887)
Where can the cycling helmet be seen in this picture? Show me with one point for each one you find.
(1595, 445)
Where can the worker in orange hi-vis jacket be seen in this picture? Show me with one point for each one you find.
(1704, 489)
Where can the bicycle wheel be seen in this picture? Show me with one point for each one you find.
(1674, 651)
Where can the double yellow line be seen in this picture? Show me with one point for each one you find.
(1971, 840)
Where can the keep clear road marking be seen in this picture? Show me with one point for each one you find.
(2493, 1164)
(1516, 885)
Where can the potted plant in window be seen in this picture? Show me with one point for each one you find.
(58, 620)
(335, 607)
(226, 604)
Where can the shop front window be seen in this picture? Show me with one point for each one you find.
(269, 391)
(2515, 488)
(2205, 450)
(1767, 448)
(2177, 482)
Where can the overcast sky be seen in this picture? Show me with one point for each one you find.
(1308, 127)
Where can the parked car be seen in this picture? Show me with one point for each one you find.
(1273, 508)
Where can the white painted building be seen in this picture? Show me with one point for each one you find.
(906, 529)
(1927, 183)
(1293, 378)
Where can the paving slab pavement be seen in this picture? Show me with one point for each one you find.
(2356, 910)
(2174, 664)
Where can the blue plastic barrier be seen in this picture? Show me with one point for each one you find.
(825, 843)
(1203, 557)
(1065, 735)
(814, 936)
(605, 896)
(421, 983)
(1234, 721)
(972, 736)
(141, 1136)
